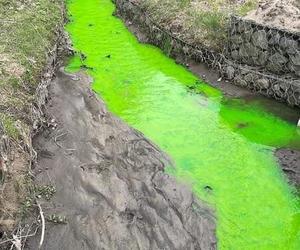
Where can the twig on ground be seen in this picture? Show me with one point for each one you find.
(20, 237)
(43, 225)
(59, 136)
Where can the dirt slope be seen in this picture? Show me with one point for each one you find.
(110, 182)
(279, 13)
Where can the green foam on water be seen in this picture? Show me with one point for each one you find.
(226, 145)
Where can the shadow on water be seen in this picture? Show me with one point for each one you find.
(262, 121)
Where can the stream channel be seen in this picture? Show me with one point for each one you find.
(222, 147)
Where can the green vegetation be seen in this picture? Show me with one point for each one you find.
(197, 21)
(9, 126)
(58, 219)
(34, 193)
(28, 32)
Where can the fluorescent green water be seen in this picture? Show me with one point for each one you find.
(224, 144)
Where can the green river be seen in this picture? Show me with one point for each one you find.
(223, 148)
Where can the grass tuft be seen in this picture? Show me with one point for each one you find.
(9, 126)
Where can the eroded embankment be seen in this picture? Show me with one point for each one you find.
(223, 147)
(110, 181)
(30, 32)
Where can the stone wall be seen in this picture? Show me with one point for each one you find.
(241, 70)
(275, 50)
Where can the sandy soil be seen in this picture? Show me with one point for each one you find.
(110, 181)
(279, 13)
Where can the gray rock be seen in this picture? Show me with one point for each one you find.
(297, 70)
(281, 88)
(284, 86)
(292, 47)
(295, 59)
(263, 83)
(262, 58)
(293, 68)
(243, 26)
(240, 82)
(235, 54)
(289, 45)
(236, 39)
(248, 50)
(247, 35)
(276, 63)
(275, 38)
(297, 84)
(259, 39)
(250, 78)
(276, 88)
(230, 72)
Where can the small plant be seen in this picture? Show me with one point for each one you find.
(213, 24)
(46, 191)
(59, 219)
(27, 206)
(9, 126)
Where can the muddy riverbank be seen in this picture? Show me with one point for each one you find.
(110, 181)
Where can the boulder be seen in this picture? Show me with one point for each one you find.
(289, 45)
(295, 59)
(263, 83)
(277, 63)
(275, 38)
(230, 72)
(259, 39)
(262, 58)
(240, 82)
(248, 50)
(250, 77)
(235, 54)
(236, 39)
(247, 35)
(243, 26)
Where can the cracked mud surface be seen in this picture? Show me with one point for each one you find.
(110, 181)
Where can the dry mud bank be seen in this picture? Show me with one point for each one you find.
(280, 13)
(110, 181)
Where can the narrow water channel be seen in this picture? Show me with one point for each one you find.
(222, 148)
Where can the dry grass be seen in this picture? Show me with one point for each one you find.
(27, 31)
(197, 21)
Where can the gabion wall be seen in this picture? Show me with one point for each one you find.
(275, 50)
(242, 71)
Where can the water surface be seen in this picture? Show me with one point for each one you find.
(222, 147)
